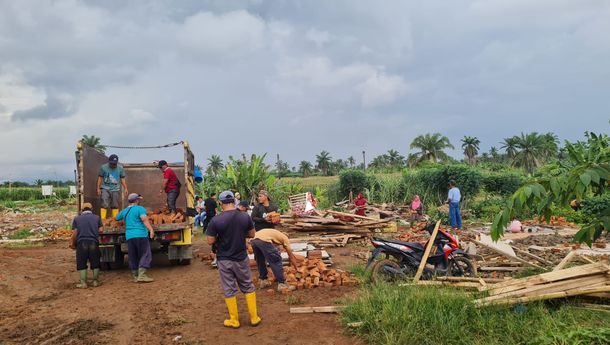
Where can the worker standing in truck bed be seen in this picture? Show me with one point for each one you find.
(109, 181)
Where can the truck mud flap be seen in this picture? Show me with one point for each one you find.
(179, 252)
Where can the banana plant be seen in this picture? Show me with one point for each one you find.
(584, 173)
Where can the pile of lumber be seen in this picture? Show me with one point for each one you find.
(589, 280)
(333, 221)
(555, 221)
(313, 273)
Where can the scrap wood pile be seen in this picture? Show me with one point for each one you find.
(313, 273)
(333, 221)
(588, 280)
(156, 217)
(384, 211)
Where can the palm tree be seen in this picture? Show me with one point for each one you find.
(395, 160)
(493, 152)
(323, 161)
(510, 145)
(431, 147)
(351, 161)
(471, 148)
(93, 142)
(215, 164)
(550, 145)
(39, 182)
(305, 168)
(530, 149)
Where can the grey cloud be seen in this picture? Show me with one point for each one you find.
(54, 107)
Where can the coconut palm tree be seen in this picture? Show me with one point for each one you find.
(351, 161)
(431, 147)
(93, 142)
(215, 164)
(323, 161)
(394, 158)
(305, 168)
(530, 149)
(510, 145)
(471, 148)
(550, 145)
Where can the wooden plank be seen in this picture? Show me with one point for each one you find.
(563, 285)
(570, 273)
(544, 261)
(351, 215)
(586, 258)
(565, 261)
(500, 269)
(309, 310)
(472, 279)
(505, 254)
(420, 270)
(554, 295)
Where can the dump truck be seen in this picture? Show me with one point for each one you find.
(145, 179)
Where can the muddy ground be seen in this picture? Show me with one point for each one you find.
(40, 305)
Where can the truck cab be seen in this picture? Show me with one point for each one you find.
(173, 239)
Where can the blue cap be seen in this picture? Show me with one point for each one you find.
(226, 197)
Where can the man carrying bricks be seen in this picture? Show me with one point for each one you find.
(229, 231)
(265, 251)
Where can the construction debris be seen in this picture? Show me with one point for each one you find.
(312, 273)
(575, 281)
(333, 222)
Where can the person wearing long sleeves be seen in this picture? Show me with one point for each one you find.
(260, 212)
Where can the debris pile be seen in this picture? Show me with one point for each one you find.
(59, 234)
(592, 279)
(333, 221)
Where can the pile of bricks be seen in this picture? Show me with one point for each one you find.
(164, 216)
(312, 273)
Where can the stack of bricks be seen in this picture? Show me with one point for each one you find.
(313, 273)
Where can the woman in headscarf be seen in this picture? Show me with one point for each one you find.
(360, 203)
(417, 209)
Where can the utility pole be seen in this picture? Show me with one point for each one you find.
(364, 159)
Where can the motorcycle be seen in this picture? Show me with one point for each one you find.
(447, 259)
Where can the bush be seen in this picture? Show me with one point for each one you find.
(502, 183)
(488, 208)
(432, 184)
(354, 181)
(595, 205)
(30, 193)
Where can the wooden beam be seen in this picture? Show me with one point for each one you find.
(565, 261)
(508, 256)
(424, 259)
(350, 215)
(309, 310)
(526, 253)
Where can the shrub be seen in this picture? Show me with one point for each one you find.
(595, 205)
(431, 184)
(502, 183)
(488, 208)
(354, 181)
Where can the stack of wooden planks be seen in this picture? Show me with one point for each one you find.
(333, 221)
(591, 279)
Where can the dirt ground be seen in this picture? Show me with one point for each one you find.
(40, 305)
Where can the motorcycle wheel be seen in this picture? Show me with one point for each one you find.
(461, 267)
(380, 275)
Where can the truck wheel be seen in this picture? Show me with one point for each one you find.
(174, 262)
(185, 262)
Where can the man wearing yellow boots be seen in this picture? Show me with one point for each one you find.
(229, 231)
(108, 187)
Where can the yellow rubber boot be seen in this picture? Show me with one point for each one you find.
(114, 213)
(233, 320)
(103, 213)
(251, 302)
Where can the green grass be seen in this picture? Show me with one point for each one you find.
(431, 315)
(311, 182)
(20, 234)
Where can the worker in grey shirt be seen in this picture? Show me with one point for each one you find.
(453, 199)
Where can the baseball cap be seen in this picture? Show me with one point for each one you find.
(114, 159)
(133, 197)
(162, 163)
(86, 205)
(226, 197)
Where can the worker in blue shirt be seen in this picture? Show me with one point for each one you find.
(453, 199)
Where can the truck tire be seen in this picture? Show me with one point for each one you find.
(174, 262)
(185, 262)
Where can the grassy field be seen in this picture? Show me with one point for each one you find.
(30, 193)
(310, 182)
(431, 315)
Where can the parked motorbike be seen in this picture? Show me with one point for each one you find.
(402, 259)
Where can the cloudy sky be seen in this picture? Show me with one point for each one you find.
(293, 77)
